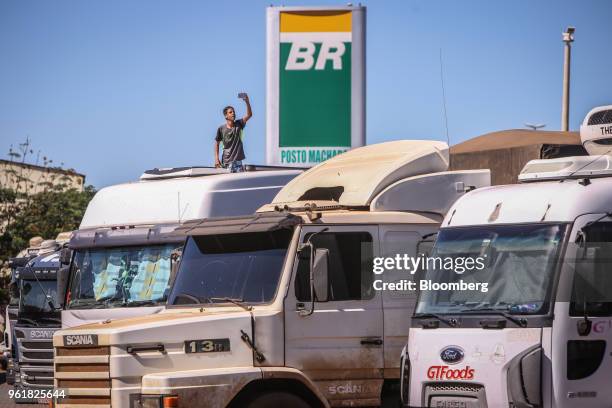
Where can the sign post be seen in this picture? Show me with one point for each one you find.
(315, 83)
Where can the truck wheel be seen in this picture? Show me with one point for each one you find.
(278, 399)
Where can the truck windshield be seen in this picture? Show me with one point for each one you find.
(514, 265)
(14, 293)
(33, 300)
(242, 267)
(122, 276)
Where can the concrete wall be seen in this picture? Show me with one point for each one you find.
(33, 179)
(505, 164)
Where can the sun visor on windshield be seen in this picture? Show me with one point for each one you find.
(112, 237)
(233, 225)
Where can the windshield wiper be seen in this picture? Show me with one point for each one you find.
(194, 299)
(92, 303)
(85, 303)
(108, 298)
(41, 321)
(26, 320)
(78, 302)
(53, 319)
(48, 297)
(521, 322)
(452, 322)
(237, 302)
(143, 302)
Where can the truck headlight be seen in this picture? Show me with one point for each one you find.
(156, 401)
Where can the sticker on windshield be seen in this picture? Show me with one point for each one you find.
(207, 346)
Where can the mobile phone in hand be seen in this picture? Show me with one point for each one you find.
(242, 95)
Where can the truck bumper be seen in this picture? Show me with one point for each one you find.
(216, 386)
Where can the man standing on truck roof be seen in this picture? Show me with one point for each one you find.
(230, 134)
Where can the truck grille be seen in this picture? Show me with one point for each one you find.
(601, 118)
(47, 345)
(35, 363)
(39, 355)
(39, 376)
(454, 388)
(447, 394)
(84, 373)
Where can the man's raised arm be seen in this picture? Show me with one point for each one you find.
(249, 112)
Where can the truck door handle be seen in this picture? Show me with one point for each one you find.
(371, 342)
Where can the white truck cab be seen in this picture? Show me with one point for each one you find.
(540, 335)
(124, 252)
(278, 309)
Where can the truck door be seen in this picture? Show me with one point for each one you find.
(582, 330)
(340, 345)
(398, 305)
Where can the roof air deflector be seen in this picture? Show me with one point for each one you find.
(323, 194)
(364, 172)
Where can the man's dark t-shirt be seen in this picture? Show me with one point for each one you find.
(232, 141)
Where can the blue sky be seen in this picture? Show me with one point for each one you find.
(114, 87)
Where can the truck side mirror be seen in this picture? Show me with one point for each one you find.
(426, 243)
(62, 284)
(175, 259)
(304, 251)
(319, 272)
(65, 256)
(585, 291)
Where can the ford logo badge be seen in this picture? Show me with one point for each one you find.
(452, 354)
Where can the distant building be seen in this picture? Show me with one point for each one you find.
(506, 152)
(32, 179)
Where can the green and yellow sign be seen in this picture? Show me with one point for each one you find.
(316, 83)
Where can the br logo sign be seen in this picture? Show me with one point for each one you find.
(316, 83)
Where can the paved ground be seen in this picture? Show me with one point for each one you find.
(5, 401)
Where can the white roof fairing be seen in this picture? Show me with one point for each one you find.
(566, 167)
(550, 201)
(180, 199)
(434, 192)
(366, 171)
